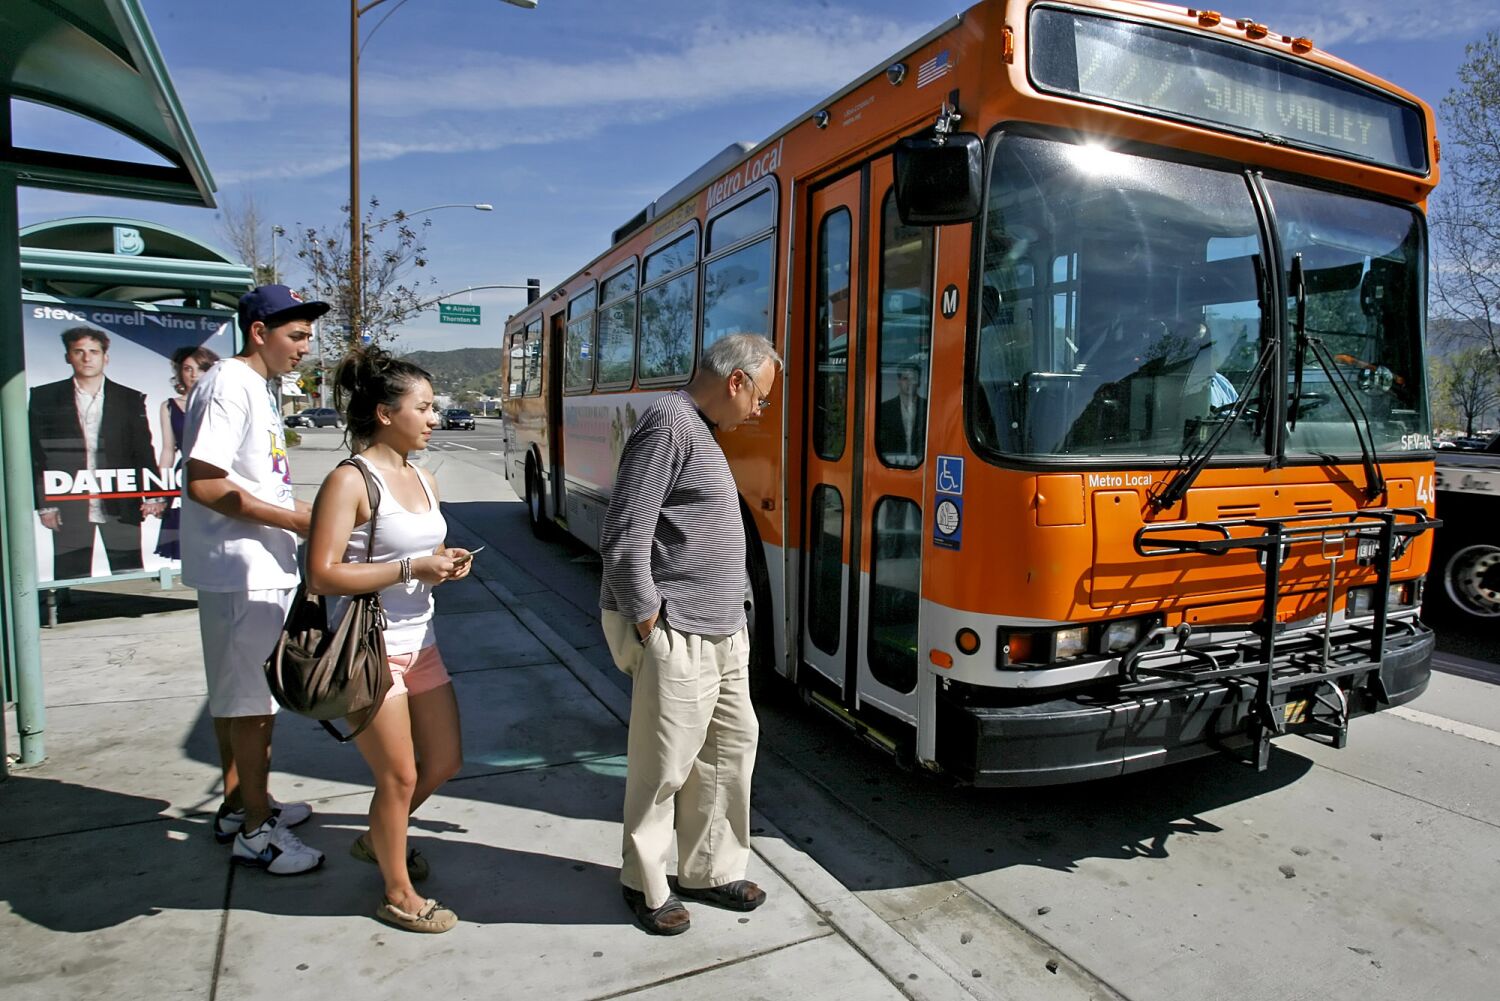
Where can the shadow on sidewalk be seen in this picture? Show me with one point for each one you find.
(94, 879)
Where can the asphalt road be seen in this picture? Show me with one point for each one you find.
(1363, 873)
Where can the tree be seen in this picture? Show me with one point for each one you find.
(1466, 210)
(392, 289)
(1465, 386)
(250, 235)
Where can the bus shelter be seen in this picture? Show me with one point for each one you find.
(97, 60)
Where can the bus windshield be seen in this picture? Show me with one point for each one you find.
(1121, 309)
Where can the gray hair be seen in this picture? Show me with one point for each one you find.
(745, 352)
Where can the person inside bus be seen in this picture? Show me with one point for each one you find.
(901, 427)
(1204, 377)
(672, 606)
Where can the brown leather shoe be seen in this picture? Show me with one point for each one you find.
(671, 918)
(741, 895)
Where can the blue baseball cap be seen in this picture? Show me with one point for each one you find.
(275, 304)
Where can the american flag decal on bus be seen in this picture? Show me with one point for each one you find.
(934, 69)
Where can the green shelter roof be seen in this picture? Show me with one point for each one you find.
(100, 257)
(98, 59)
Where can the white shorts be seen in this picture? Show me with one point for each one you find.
(239, 630)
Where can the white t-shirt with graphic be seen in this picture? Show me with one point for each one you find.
(233, 422)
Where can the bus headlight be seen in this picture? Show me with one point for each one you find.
(1071, 643)
(1402, 594)
(1121, 636)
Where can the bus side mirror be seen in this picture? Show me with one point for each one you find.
(939, 184)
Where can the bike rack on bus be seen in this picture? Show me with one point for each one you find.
(1380, 537)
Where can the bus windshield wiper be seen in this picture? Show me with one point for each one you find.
(1172, 489)
(1374, 482)
(1299, 289)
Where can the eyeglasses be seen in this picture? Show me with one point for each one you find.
(762, 403)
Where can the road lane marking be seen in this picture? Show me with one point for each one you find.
(1446, 725)
(459, 444)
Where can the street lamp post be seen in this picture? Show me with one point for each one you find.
(402, 217)
(356, 235)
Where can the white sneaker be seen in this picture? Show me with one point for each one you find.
(227, 823)
(274, 848)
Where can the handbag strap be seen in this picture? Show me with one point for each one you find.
(372, 488)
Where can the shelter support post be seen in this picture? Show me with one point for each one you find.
(22, 618)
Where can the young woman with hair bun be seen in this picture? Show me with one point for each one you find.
(413, 745)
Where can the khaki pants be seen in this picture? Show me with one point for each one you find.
(690, 753)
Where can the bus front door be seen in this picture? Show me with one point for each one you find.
(830, 543)
(870, 322)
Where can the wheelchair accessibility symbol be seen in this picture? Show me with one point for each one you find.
(950, 474)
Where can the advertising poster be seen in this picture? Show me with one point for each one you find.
(104, 407)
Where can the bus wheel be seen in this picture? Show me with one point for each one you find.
(1471, 580)
(765, 682)
(536, 513)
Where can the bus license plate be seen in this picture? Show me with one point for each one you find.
(1296, 712)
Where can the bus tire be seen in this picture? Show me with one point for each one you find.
(536, 510)
(766, 684)
(1470, 580)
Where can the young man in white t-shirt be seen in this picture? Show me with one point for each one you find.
(240, 524)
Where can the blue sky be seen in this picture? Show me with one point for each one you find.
(568, 118)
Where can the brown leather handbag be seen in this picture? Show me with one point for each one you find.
(330, 674)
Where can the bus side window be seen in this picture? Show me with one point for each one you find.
(617, 329)
(533, 374)
(515, 374)
(737, 271)
(669, 311)
(578, 365)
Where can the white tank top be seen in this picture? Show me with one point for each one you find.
(400, 534)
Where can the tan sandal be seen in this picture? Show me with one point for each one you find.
(416, 865)
(433, 918)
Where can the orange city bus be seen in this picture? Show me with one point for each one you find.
(1102, 441)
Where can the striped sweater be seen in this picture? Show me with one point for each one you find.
(672, 537)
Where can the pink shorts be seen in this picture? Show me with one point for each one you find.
(417, 672)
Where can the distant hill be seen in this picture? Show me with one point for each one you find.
(461, 371)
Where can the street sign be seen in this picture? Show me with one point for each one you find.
(453, 312)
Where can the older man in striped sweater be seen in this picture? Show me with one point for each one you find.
(673, 611)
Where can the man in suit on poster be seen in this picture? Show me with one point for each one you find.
(90, 424)
(901, 425)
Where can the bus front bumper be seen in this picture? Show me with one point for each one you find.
(1093, 734)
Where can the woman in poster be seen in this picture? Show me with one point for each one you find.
(188, 363)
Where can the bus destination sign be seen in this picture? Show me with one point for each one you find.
(1185, 76)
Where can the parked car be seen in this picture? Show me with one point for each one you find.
(459, 419)
(315, 417)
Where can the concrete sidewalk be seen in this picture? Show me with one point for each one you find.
(111, 884)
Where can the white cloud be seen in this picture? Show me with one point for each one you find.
(1334, 23)
(799, 53)
(467, 101)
